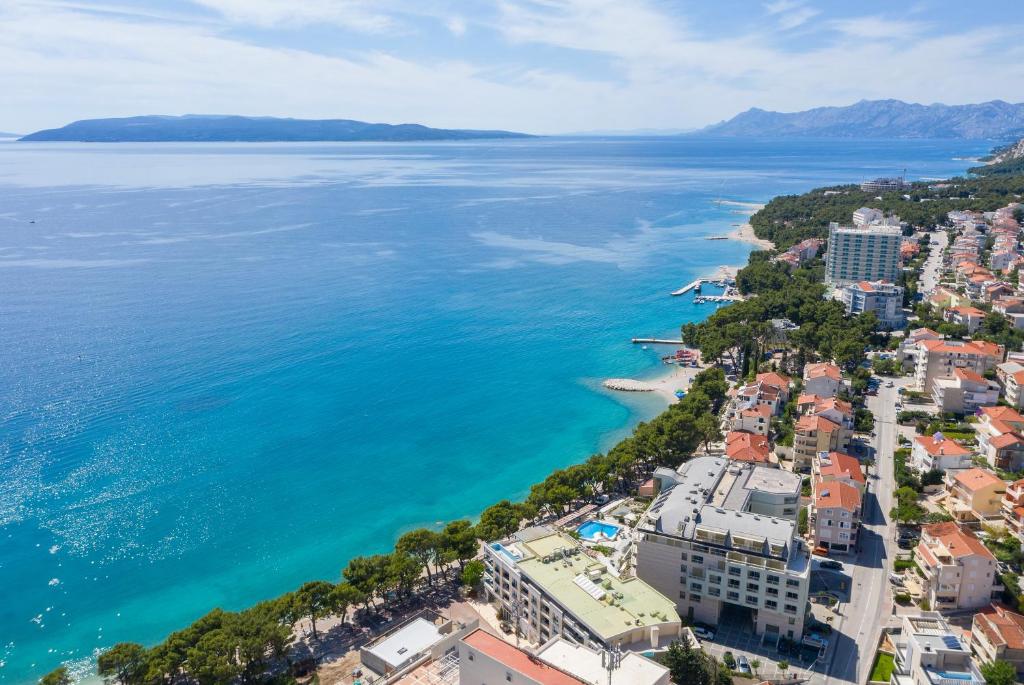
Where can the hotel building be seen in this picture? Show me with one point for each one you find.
(862, 253)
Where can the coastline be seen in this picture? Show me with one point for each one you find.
(662, 385)
(746, 234)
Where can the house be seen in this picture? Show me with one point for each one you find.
(998, 290)
(964, 393)
(568, 593)
(755, 420)
(836, 515)
(959, 571)
(833, 467)
(939, 358)
(928, 652)
(748, 447)
(881, 298)
(772, 379)
(1011, 375)
(974, 495)
(971, 317)
(937, 452)
(1000, 433)
(943, 297)
(485, 659)
(997, 634)
(813, 434)
(1013, 509)
(823, 379)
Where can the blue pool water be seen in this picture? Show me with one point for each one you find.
(595, 531)
(226, 369)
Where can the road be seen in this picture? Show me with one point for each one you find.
(933, 265)
(857, 634)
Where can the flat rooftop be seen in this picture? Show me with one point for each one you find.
(558, 564)
(398, 647)
(586, 665)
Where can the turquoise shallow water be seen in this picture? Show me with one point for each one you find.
(225, 369)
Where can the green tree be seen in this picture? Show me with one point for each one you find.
(688, 665)
(125, 663)
(783, 666)
(459, 542)
(403, 571)
(755, 665)
(58, 676)
(473, 573)
(803, 521)
(708, 430)
(313, 599)
(423, 545)
(369, 575)
(500, 520)
(999, 672)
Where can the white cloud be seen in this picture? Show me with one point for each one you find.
(362, 15)
(878, 28)
(457, 25)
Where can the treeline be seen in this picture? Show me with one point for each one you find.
(788, 219)
(824, 329)
(258, 643)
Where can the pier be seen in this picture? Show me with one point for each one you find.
(656, 341)
(687, 288)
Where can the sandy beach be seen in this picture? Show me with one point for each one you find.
(746, 234)
(665, 385)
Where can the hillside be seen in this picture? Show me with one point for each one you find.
(1005, 160)
(229, 128)
(880, 119)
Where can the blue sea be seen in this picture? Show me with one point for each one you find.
(226, 369)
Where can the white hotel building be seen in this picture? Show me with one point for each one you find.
(721, 538)
(862, 253)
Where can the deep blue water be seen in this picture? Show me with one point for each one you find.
(225, 369)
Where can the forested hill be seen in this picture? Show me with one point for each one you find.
(214, 128)
(880, 119)
(788, 219)
(1005, 160)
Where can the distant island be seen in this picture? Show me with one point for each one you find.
(202, 128)
(880, 119)
(4, 134)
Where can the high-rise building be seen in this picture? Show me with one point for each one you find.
(862, 253)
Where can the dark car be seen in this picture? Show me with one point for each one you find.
(831, 565)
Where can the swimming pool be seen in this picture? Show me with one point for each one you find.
(597, 531)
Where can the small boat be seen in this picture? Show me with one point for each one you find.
(644, 347)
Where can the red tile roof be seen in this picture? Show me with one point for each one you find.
(941, 447)
(842, 465)
(811, 422)
(974, 479)
(744, 446)
(517, 660)
(836, 495)
(959, 542)
(772, 378)
(823, 369)
(968, 375)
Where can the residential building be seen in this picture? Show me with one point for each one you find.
(823, 379)
(938, 453)
(883, 185)
(928, 652)
(836, 467)
(971, 317)
(908, 350)
(835, 515)
(868, 253)
(974, 495)
(866, 215)
(959, 571)
(547, 582)
(813, 434)
(964, 393)
(1000, 433)
(881, 298)
(748, 447)
(802, 252)
(755, 420)
(1011, 375)
(485, 659)
(1013, 509)
(939, 358)
(423, 638)
(997, 634)
(773, 379)
(722, 533)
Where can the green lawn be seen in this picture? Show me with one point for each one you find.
(884, 665)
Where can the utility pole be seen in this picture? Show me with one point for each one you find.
(611, 659)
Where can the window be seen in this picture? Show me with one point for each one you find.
(508, 677)
(790, 608)
(470, 656)
(734, 570)
(753, 587)
(751, 599)
(682, 568)
(792, 595)
(772, 591)
(682, 595)
(771, 604)
(735, 596)
(714, 592)
(715, 579)
(734, 583)
(754, 575)
(697, 559)
(792, 583)
(696, 587)
(773, 580)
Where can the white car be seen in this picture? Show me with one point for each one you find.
(703, 633)
(895, 579)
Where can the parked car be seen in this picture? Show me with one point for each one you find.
(742, 665)
(831, 565)
(704, 633)
(895, 579)
(889, 384)
(906, 543)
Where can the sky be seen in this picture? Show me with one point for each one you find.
(539, 66)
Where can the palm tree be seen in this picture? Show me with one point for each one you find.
(755, 664)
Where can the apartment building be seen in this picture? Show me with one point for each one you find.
(813, 434)
(747, 447)
(964, 315)
(938, 453)
(964, 393)
(724, 534)
(940, 358)
(1011, 375)
(974, 495)
(862, 253)
(866, 215)
(881, 298)
(908, 350)
(997, 634)
(835, 516)
(545, 582)
(485, 659)
(822, 379)
(833, 467)
(1000, 434)
(755, 420)
(1012, 509)
(928, 652)
(959, 571)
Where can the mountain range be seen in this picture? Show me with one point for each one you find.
(231, 128)
(880, 119)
